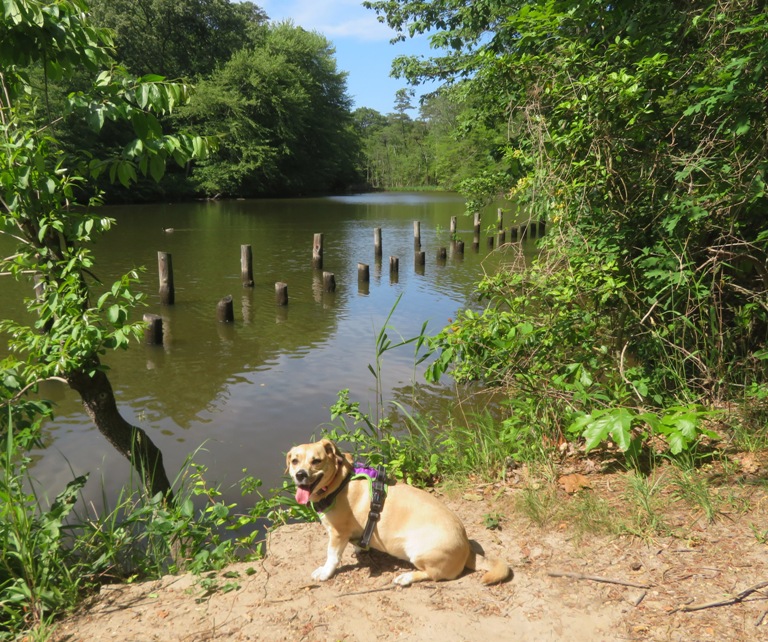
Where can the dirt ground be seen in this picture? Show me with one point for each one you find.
(645, 585)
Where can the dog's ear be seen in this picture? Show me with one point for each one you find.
(330, 448)
(288, 460)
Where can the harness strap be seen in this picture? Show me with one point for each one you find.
(378, 493)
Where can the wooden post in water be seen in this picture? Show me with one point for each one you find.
(394, 265)
(329, 282)
(317, 252)
(377, 242)
(502, 237)
(513, 233)
(153, 333)
(363, 278)
(476, 238)
(246, 265)
(532, 229)
(490, 242)
(419, 261)
(542, 228)
(442, 254)
(417, 234)
(460, 249)
(225, 310)
(165, 271)
(453, 226)
(500, 219)
(281, 293)
(394, 269)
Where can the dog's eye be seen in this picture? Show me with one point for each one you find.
(316, 460)
(295, 461)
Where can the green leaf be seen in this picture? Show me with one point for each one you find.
(114, 313)
(156, 167)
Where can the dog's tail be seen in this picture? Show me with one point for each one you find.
(496, 569)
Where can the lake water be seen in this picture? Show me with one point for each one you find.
(246, 392)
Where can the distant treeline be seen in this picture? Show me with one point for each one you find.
(273, 96)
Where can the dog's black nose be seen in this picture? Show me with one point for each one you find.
(301, 476)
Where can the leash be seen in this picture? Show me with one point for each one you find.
(378, 493)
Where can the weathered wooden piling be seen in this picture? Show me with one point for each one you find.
(419, 261)
(377, 242)
(417, 234)
(532, 229)
(490, 242)
(329, 282)
(502, 237)
(476, 236)
(363, 273)
(394, 265)
(225, 310)
(153, 332)
(542, 228)
(246, 265)
(317, 252)
(500, 219)
(281, 293)
(513, 233)
(165, 272)
(454, 220)
(459, 247)
(442, 255)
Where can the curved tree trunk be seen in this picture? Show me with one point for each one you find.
(131, 441)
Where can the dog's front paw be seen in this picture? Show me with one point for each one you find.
(321, 574)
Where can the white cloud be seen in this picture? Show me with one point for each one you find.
(332, 18)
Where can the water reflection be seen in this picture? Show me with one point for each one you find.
(248, 390)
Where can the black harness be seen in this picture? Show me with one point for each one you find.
(378, 494)
(378, 477)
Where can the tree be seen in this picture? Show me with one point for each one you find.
(49, 209)
(282, 110)
(637, 131)
(178, 38)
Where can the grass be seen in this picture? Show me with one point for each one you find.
(53, 555)
(538, 504)
(694, 489)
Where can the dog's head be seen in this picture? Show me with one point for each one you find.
(316, 468)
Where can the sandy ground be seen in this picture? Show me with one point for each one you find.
(648, 583)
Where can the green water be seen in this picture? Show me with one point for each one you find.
(246, 392)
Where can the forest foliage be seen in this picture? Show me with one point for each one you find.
(638, 132)
(273, 94)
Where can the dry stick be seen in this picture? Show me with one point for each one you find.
(376, 590)
(595, 578)
(727, 602)
(761, 617)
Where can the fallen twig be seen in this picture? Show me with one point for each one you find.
(595, 578)
(739, 597)
(761, 617)
(376, 590)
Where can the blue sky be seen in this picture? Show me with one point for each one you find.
(362, 46)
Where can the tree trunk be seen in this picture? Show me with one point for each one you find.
(131, 441)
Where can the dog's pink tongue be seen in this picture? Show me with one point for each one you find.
(302, 495)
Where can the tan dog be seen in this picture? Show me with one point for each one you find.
(414, 525)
